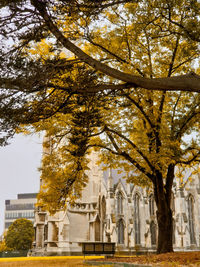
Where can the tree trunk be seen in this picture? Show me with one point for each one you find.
(165, 231)
(162, 195)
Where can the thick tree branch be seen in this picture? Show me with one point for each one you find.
(138, 166)
(128, 157)
(188, 162)
(106, 50)
(188, 82)
(113, 142)
(140, 109)
(94, 4)
(133, 146)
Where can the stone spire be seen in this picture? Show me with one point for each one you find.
(110, 179)
(110, 183)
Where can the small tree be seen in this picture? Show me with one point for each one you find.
(20, 235)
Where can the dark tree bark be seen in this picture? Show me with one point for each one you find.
(165, 230)
(162, 195)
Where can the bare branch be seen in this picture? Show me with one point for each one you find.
(188, 162)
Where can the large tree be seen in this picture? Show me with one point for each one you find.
(129, 89)
(72, 26)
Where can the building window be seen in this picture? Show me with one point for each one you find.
(137, 219)
(103, 208)
(7, 224)
(174, 229)
(97, 229)
(172, 204)
(120, 232)
(151, 205)
(119, 203)
(191, 219)
(45, 232)
(27, 206)
(153, 233)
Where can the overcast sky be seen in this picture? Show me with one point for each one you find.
(19, 163)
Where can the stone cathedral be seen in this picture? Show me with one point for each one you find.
(112, 211)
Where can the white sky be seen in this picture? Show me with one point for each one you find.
(19, 163)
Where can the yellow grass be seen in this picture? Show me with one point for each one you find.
(46, 261)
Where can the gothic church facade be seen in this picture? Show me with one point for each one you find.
(112, 211)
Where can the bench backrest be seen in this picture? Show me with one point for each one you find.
(98, 248)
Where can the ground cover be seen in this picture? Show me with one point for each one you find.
(45, 261)
(176, 259)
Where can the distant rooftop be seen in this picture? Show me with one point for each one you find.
(26, 195)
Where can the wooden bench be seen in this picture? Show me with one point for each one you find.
(98, 248)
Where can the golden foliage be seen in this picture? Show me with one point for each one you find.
(138, 131)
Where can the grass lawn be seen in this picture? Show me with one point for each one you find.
(177, 259)
(44, 261)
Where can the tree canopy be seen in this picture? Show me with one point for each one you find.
(106, 39)
(20, 235)
(118, 76)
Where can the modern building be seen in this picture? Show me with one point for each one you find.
(22, 207)
(112, 211)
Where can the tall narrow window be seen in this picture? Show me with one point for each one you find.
(151, 205)
(103, 217)
(172, 204)
(153, 233)
(119, 203)
(137, 219)
(191, 219)
(97, 229)
(45, 232)
(174, 228)
(103, 208)
(120, 232)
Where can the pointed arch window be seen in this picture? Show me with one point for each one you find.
(97, 229)
(172, 204)
(103, 217)
(119, 203)
(153, 233)
(45, 232)
(120, 232)
(103, 208)
(137, 219)
(174, 229)
(151, 205)
(191, 219)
